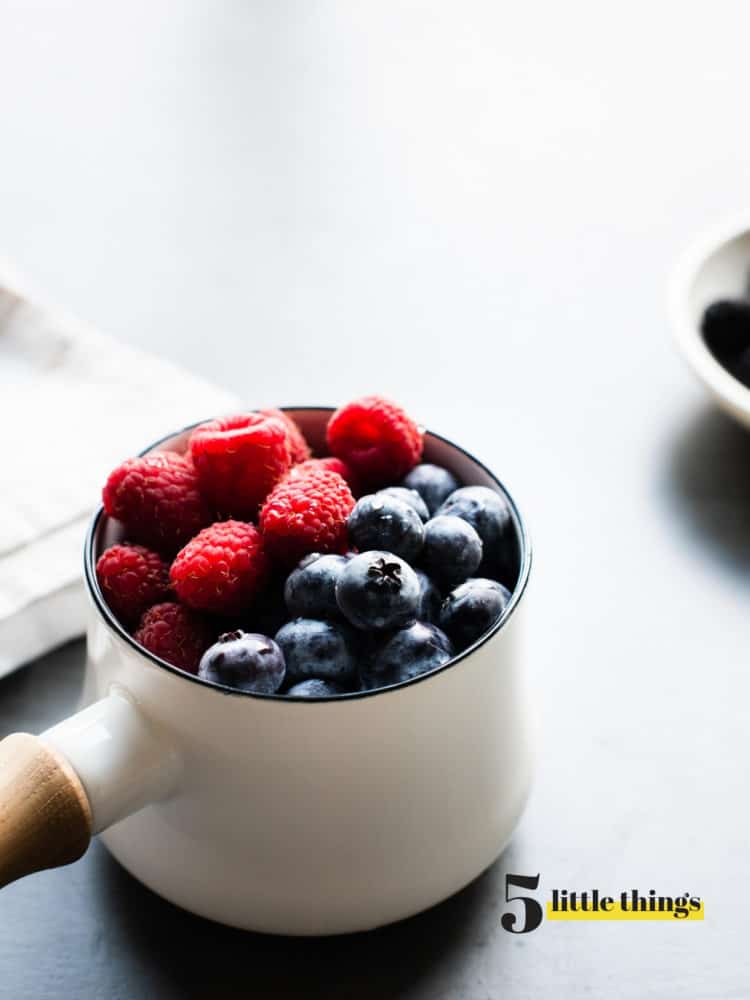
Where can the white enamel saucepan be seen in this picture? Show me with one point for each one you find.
(281, 815)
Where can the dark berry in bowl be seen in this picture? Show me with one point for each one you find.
(378, 590)
(315, 687)
(310, 589)
(452, 549)
(267, 613)
(489, 514)
(428, 609)
(246, 661)
(321, 649)
(471, 609)
(726, 328)
(410, 497)
(433, 483)
(406, 654)
(386, 523)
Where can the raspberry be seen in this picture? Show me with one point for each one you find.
(222, 568)
(132, 578)
(300, 449)
(176, 634)
(331, 463)
(306, 513)
(158, 499)
(239, 460)
(376, 438)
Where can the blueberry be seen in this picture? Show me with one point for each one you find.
(407, 653)
(428, 609)
(268, 612)
(489, 514)
(315, 687)
(310, 589)
(246, 661)
(408, 496)
(432, 482)
(383, 522)
(726, 329)
(317, 649)
(471, 609)
(377, 590)
(452, 549)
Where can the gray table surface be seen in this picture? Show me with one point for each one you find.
(475, 211)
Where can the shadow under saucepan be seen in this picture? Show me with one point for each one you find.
(181, 955)
(708, 487)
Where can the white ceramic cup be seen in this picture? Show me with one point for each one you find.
(299, 816)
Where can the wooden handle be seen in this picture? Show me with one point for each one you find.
(45, 817)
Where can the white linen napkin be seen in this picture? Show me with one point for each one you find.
(73, 404)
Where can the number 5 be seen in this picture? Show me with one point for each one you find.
(533, 912)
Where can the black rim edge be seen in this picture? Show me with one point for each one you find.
(517, 593)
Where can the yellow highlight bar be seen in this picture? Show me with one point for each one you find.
(616, 912)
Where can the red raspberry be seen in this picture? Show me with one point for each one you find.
(222, 568)
(176, 634)
(239, 460)
(158, 499)
(132, 578)
(377, 439)
(306, 513)
(300, 449)
(333, 464)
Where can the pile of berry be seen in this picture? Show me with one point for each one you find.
(251, 564)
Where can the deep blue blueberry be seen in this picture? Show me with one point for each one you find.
(407, 653)
(385, 523)
(317, 649)
(428, 609)
(408, 496)
(247, 661)
(432, 482)
(268, 611)
(452, 549)
(377, 590)
(489, 514)
(471, 609)
(726, 328)
(315, 687)
(310, 589)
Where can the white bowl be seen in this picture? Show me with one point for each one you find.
(716, 267)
